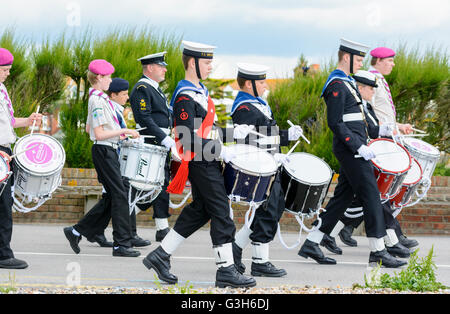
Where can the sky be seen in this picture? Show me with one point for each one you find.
(270, 32)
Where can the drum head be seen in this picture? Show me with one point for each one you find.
(397, 162)
(4, 169)
(45, 156)
(252, 159)
(308, 168)
(421, 146)
(414, 174)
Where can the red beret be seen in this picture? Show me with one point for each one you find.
(382, 52)
(6, 57)
(101, 67)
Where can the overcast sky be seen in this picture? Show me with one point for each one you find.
(271, 32)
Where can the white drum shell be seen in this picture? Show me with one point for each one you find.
(426, 154)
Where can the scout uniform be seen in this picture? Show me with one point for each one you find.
(151, 111)
(7, 121)
(253, 110)
(194, 116)
(348, 122)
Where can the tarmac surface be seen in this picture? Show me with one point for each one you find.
(53, 264)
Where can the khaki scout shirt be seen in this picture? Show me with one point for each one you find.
(381, 103)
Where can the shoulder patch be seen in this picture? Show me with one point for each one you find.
(141, 86)
(243, 107)
(184, 115)
(181, 98)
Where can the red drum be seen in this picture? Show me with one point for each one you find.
(391, 166)
(409, 186)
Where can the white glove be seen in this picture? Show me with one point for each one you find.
(295, 132)
(386, 129)
(366, 152)
(241, 131)
(168, 142)
(227, 154)
(281, 158)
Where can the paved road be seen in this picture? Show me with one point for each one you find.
(53, 264)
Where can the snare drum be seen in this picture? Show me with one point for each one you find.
(5, 172)
(409, 186)
(249, 176)
(427, 155)
(143, 164)
(391, 166)
(305, 180)
(37, 173)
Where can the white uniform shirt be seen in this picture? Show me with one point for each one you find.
(8, 136)
(100, 113)
(381, 102)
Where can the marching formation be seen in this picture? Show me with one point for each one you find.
(178, 146)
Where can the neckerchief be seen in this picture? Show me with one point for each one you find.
(337, 74)
(243, 97)
(10, 107)
(184, 85)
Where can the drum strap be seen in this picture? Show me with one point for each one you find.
(360, 104)
(178, 183)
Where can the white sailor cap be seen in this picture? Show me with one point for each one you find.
(198, 50)
(157, 58)
(250, 71)
(366, 78)
(353, 47)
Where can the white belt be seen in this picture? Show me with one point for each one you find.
(105, 143)
(349, 117)
(213, 135)
(269, 140)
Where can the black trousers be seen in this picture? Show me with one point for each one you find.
(115, 203)
(355, 178)
(210, 202)
(265, 224)
(6, 221)
(161, 203)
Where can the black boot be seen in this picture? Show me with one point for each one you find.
(346, 236)
(159, 260)
(73, 239)
(230, 277)
(13, 263)
(386, 259)
(330, 244)
(125, 252)
(161, 234)
(409, 243)
(267, 270)
(237, 257)
(101, 240)
(137, 241)
(399, 250)
(311, 249)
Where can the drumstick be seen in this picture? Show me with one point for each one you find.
(415, 135)
(381, 154)
(141, 129)
(257, 151)
(292, 124)
(420, 131)
(254, 132)
(24, 151)
(293, 148)
(34, 122)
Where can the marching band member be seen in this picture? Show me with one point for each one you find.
(382, 64)
(7, 124)
(118, 94)
(151, 111)
(348, 122)
(105, 132)
(194, 116)
(250, 109)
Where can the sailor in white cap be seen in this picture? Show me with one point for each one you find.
(250, 109)
(351, 132)
(151, 111)
(199, 147)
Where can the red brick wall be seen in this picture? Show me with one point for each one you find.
(431, 216)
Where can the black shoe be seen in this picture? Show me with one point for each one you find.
(237, 257)
(399, 250)
(409, 243)
(101, 240)
(159, 260)
(231, 277)
(330, 244)
(346, 236)
(73, 239)
(137, 241)
(267, 270)
(125, 252)
(161, 234)
(386, 259)
(13, 263)
(311, 249)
